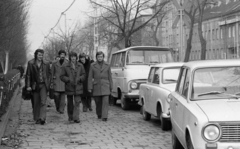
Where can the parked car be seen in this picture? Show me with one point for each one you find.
(205, 106)
(130, 68)
(153, 95)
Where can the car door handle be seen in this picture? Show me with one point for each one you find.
(116, 73)
(147, 88)
(176, 104)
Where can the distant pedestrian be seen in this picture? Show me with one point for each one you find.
(73, 74)
(100, 84)
(58, 84)
(86, 96)
(38, 81)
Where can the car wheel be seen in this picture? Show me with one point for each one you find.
(189, 143)
(175, 142)
(165, 123)
(124, 103)
(146, 115)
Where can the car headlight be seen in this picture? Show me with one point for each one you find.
(133, 85)
(1, 87)
(211, 132)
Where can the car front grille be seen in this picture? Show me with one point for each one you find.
(230, 133)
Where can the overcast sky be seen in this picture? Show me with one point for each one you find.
(44, 14)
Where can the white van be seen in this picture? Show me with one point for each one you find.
(130, 68)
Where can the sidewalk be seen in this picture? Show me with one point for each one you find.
(123, 130)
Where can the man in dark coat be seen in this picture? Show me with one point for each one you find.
(58, 84)
(38, 82)
(86, 96)
(73, 75)
(100, 84)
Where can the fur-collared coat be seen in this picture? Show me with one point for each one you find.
(73, 78)
(100, 79)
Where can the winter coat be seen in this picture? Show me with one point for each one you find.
(100, 79)
(73, 78)
(33, 72)
(85, 82)
(58, 84)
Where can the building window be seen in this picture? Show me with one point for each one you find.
(221, 32)
(217, 34)
(213, 34)
(233, 31)
(229, 31)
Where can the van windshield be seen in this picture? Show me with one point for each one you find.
(148, 56)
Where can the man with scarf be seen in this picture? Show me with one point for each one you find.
(58, 84)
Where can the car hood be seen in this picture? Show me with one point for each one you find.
(221, 110)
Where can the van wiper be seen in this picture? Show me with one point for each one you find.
(218, 92)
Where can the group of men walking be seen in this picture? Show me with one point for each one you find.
(79, 81)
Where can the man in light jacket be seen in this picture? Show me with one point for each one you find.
(100, 84)
(58, 84)
(73, 74)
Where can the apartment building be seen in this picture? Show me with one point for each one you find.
(221, 29)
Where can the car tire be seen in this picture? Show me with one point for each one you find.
(146, 115)
(175, 142)
(165, 123)
(189, 142)
(124, 103)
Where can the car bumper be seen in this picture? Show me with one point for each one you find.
(220, 145)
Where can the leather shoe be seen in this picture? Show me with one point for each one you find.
(90, 109)
(38, 121)
(104, 119)
(76, 121)
(42, 122)
(99, 117)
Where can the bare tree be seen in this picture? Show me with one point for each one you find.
(201, 5)
(13, 24)
(123, 15)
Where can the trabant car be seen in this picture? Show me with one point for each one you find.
(162, 80)
(130, 67)
(205, 107)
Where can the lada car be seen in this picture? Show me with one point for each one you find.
(130, 67)
(162, 80)
(205, 107)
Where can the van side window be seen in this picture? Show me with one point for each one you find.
(151, 74)
(113, 60)
(117, 60)
(156, 76)
(122, 62)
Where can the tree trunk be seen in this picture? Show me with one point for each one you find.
(189, 44)
(202, 40)
(6, 63)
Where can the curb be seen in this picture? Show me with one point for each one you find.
(4, 119)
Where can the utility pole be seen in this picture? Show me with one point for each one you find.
(96, 40)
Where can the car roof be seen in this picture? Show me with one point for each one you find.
(172, 64)
(142, 47)
(213, 63)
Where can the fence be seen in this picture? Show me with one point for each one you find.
(8, 84)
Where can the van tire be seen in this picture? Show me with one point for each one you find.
(124, 103)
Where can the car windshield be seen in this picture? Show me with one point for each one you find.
(170, 75)
(148, 56)
(216, 83)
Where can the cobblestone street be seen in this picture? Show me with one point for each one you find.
(123, 130)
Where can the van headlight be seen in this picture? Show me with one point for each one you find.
(211, 132)
(133, 85)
